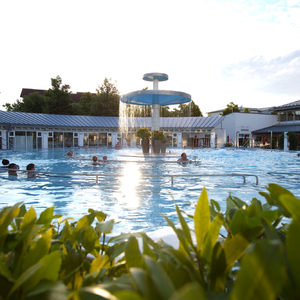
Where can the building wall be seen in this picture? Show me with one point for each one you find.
(244, 123)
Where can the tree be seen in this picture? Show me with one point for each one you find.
(32, 103)
(231, 107)
(107, 100)
(246, 110)
(86, 101)
(292, 139)
(58, 98)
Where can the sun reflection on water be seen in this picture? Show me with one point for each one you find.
(128, 185)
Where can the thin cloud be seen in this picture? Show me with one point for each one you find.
(279, 75)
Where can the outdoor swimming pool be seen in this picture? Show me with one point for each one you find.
(138, 202)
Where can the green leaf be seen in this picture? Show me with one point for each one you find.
(235, 248)
(147, 250)
(240, 221)
(184, 225)
(37, 250)
(46, 217)
(262, 272)
(201, 219)
(91, 241)
(211, 237)
(132, 254)
(218, 269)
(291, 204)
(105, 227)
(160, 278)
(98, 263)
(127, 295)
(48, 271)
(93, 293)
(181, 236)
(24, 277)
(66, 232)
(292, 248)
(29, 219)
(82, 224)
(190, 291)
(7, 216)
(143, 283)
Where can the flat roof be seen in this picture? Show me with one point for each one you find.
(75, 121)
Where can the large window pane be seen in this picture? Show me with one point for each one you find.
(102, 139)
(20, 140)
(68, 136)
(58, 140)
(93, 139)
(282, 117)
(31, 140)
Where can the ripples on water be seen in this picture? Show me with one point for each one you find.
(136, 202)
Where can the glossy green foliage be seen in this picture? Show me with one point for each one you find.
(250, 251)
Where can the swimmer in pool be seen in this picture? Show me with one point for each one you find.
(183, 158)
(5, 163)
(70, 153)
(11, 168)
(104, 159)
(95, 160)
(30, 167)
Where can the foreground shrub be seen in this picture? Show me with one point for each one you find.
(247, 252)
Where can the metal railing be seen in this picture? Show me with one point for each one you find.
(283, 173)
(145, 161)
(172, 176)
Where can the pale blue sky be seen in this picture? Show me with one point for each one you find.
(218, 51)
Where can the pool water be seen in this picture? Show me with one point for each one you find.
(137, 203)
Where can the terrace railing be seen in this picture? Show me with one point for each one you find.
(171, 176)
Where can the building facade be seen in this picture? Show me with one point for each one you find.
(29, 131)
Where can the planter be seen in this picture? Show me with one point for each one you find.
(163, 148)
(156, 146)
(145, 146)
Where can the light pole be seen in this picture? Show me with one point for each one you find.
(271, 138)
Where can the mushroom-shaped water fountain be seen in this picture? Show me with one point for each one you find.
(155, 97)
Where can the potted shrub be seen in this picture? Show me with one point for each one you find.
(164, 144)
(157, 137)
(144, 134)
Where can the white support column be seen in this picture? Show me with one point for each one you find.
(155, 116)
(179, 140)
(212, 140)
(114, 139)
(285, 142)
(80, 139)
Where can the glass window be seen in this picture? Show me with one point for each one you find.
(31, 140)
(58, 140)
(169, 139)
(50, 142)
(282, 117)
(11, 142)
(93, 139)
(68, 139)
(39, 143)
(290, 116)
(102, 139)
(20, 140)
(297, 115)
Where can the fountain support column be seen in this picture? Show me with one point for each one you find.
(155, 112)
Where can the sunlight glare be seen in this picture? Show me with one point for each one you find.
(128, 185)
